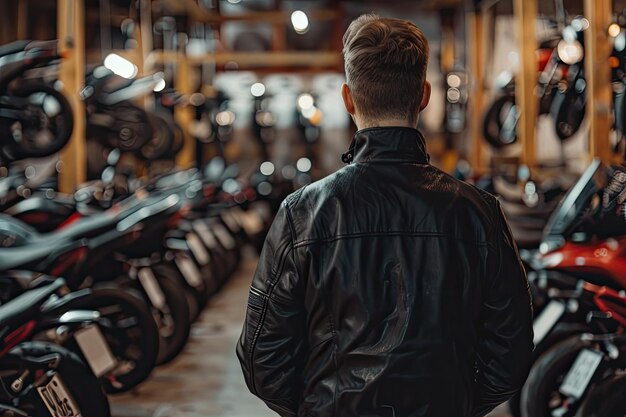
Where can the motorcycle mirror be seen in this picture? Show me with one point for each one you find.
(165, 23)
(215, 168)
(127, 27)
(108, 175)
(114, 157)
(523, 173)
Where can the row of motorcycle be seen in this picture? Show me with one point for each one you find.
(100, 287)
(577, 280)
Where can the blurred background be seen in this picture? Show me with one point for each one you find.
(160, 136)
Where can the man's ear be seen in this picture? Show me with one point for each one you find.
(425, 96)
(346, 94)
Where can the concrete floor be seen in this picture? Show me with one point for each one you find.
(206, 379)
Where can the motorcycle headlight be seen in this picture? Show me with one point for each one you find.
(570, 52)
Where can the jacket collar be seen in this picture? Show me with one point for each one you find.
(387, 144)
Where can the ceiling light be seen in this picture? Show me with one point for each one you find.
(120, 66)
(300, 21)
(257, 89)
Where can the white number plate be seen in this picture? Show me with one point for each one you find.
(579, 375)
(57, 399)
(189, 270)
(546, 320)
(96, 349)
(197, 248)
(152, 288)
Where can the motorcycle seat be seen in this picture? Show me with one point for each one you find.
(26, 306)
(13, 47)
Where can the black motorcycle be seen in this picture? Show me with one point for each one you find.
(35, 119)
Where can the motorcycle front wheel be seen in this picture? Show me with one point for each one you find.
(495, 119)
(45, 125)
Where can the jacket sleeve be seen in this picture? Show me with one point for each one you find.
(271, 348)
(505, 338)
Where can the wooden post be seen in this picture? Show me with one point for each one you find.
(71, 19)
(22, 19)
(184, 114)
(526, 81)
(598, 76)
(137, 53)
(145, 27)
(476, 53)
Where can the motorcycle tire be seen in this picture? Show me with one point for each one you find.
(568, 112)
(606, 399)
(228, 242)
(195, 296)
(493, 123)
(162, 140)
(130, 331)
(560, 332)
(78, 379)
(131, 129)
(619, 109)
(217, 270)
(175, 327)
(546, 375)
(545, 100)
(45, 134)
(179, 140)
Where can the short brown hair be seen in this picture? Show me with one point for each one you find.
(385, 62)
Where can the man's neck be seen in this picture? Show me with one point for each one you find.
(384, 123)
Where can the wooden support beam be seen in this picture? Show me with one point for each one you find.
(8, 31)
(598, 76)
(339, 27)
(22, 19)
(145, 28)
(279, 34)
(476, 52)
(279, 38)
(253, 59)
(184, 114)
(191, 8)
(525, 18)
(71, 17)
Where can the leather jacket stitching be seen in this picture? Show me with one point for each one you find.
(259, 327)
(307, 242)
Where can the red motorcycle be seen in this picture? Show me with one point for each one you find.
(583, 248)
(582, 245)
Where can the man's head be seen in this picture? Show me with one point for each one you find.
(385, 63)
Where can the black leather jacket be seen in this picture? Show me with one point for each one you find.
(387, 289)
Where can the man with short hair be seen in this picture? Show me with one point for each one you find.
(387, 288)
